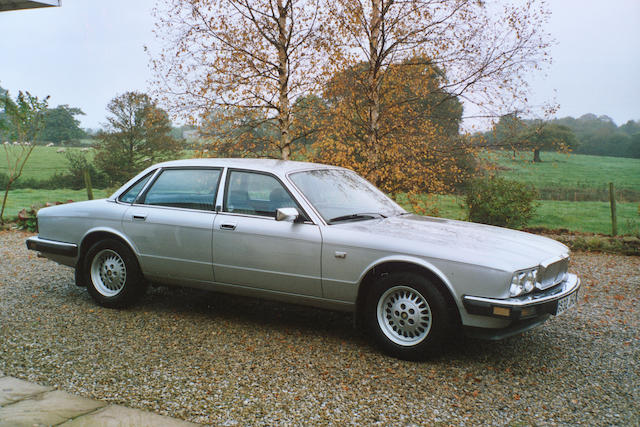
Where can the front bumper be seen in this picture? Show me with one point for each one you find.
(52, 247)
(530, 306)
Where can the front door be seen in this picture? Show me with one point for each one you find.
(251, 248)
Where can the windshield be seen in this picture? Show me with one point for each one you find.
(342, 195)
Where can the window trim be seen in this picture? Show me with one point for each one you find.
(305, 218)
(140, 200)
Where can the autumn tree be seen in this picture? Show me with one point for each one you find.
(137, 135)
(485, 49)
(417, 144)
(22, 121)
(249, 59)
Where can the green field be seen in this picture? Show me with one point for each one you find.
(591, 217)
(46, 161)
(572, 172)
(43, 162)
(558, 172)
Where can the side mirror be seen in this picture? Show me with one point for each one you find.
(287, 214)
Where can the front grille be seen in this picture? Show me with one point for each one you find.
(553, 274)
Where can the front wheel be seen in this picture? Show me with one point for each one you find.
(407, 315)
(112, 274)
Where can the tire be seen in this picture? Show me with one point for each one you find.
(407, 316)
(112, 274)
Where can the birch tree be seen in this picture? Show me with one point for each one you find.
(247, 57)
(484, 51)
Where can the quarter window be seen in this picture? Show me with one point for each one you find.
(184, 188)
(132, 193)
(256, 194)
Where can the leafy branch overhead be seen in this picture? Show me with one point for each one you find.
(376, 86)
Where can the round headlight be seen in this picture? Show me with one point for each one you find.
(529, 281)
(516, 285)
(523, 282)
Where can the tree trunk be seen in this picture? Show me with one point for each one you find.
(284, 113)
(4, 200)
(373, 88)
(536, 156)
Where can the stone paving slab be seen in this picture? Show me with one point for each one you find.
(121, 416)
(14, 389)
(53, 407)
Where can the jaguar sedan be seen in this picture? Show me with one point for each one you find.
(309, 234)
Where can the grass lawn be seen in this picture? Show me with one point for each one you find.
(24, 198)
(568, 170)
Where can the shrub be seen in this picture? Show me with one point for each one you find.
(501, 202)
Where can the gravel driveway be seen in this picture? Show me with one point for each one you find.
(217, 359)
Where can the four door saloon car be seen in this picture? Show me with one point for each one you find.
(309, 234)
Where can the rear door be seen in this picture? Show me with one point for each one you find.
(171, 224)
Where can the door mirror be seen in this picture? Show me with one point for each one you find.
(287, 214)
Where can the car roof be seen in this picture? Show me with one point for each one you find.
(264, 165)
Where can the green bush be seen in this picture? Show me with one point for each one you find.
(501, 202)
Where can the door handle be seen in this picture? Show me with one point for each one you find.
(139, 217)
(227, 226)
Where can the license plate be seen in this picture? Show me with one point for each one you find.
(566, 303)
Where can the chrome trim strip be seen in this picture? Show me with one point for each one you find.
(568, 287)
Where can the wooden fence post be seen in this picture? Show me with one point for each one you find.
(87, 183)
(614, 219)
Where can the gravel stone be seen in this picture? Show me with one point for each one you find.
(216, 359)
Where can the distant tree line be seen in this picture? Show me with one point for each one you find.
(588, 134)
(599, 135)
(59, 125)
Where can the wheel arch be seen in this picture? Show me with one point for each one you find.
(419, 266)
(95, 235)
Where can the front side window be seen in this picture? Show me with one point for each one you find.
(256, 194)
(184, 188)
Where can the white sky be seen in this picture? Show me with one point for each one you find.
(88, 51)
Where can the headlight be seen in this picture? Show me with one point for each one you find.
(523, 282)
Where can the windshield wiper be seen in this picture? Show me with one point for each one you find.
(356, 217)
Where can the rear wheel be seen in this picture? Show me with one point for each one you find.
(112, 274)
(407, 315)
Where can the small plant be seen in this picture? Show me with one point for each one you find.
(501, 202)
(28, 218)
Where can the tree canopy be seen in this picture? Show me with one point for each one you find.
(60, 124)
(253, 58)
(417, 147)
(138, 134)
(599, 135)
(513, 133)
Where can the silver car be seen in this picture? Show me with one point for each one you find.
(309, 234)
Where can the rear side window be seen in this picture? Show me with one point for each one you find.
(184, 188)
(132, 193)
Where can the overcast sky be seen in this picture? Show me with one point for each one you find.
(86, 52)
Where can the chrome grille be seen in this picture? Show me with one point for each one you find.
(553, 274)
